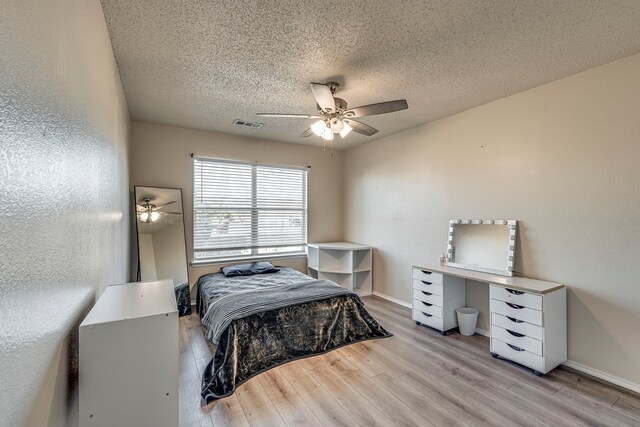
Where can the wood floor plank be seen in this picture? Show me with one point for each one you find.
(516, 402)
(360, 361)
(416, 400)
(309, 363)
(605, 412)
(390, 405)
(228, 412)
(465, 411)
(293, 410)
(351, 400)
(321, 402)
(491, 405)
(568, 411)
(257, 406)
(383, 357)
(628, 406)
(337, 363)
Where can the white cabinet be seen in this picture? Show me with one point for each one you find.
(129, 357)
(347, 264)
(529, 328)
(435, 299)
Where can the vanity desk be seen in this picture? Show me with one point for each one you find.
(528, 319)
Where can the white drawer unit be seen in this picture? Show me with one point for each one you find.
(129, 356)
(435, 299)
(529, 328)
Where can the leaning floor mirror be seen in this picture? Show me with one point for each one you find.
(162, 251)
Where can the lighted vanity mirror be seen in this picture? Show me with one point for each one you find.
(486, 245)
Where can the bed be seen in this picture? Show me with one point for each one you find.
(261, 321)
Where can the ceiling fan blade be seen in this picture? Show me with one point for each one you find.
(323, 96)
(306, 133)
(166, 204)
(362, 128)
(289, 116)
(171, 213)
(379, 108)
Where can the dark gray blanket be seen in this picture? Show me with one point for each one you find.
(259, 322)
(241, 298)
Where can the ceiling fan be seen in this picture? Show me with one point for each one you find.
(148, 212)
(335, 118)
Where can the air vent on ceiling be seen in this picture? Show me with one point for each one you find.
(244, 124)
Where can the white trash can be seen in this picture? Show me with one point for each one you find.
(467, 319)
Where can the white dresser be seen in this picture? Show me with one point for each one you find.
(129, 358)
(347, 264)
(528, 317)
(433, 295)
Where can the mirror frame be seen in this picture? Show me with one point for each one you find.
(135, 216)
(512, 225)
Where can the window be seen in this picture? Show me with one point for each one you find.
(247, 210)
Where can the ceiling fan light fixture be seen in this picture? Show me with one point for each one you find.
(345, 130)
(318, 127)
(155, 216)
(336, 125)
(327, 134)
(144, 216)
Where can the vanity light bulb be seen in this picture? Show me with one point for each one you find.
(144, 216)
(155, 216)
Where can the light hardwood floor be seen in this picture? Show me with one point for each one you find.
(417, 377)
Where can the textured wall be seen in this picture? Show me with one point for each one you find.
(160, 157)
(562, 159)
(63, 197)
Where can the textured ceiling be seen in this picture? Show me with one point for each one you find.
(202, 63)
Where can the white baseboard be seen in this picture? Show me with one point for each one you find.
(392, 299)
(602, 375)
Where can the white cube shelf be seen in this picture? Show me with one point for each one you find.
(347, 264)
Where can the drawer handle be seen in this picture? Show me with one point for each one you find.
(427, 283)
(426, 272)
(516, 306)
(427, 293)
(426, 303)
(513, 347)
(514, 320)
(512, 291)
(515, 334)
(426, 314)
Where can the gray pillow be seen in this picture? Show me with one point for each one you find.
(249, 269)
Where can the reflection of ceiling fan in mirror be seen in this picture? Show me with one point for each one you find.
(335, 118)
(148, 212)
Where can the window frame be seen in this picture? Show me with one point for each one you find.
(254, 255)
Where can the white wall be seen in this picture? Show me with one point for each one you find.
(160, 157)
(63, 204)
(563, 159)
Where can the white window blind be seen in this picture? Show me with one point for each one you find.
(246, 210)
